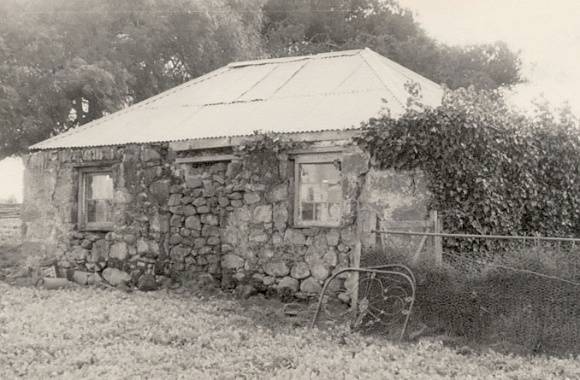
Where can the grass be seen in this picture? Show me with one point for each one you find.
(521, 300)
(11, 260)
(9, 256)
(100, 333)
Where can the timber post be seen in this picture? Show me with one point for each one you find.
(437, 240)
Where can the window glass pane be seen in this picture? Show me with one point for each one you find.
(307, 211)
(99, 186)
(98, 197)
(99, 211)
(307, 193)
(320, 193)
(314, 192)
(319, 173)
(327, 212)
(335, 193)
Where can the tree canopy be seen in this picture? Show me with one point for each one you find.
(66, 62)
(307, 26)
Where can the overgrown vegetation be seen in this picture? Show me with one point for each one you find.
(515, 301)
(64, 63)
(493, 170)
(490, 169)
(92, 333)
(262, 153)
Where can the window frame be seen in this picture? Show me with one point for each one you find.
(314, 158)
(83, 224)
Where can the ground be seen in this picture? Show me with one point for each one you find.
(84, 332)
(106, 333)
(10, 260)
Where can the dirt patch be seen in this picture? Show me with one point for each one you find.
(265, 309)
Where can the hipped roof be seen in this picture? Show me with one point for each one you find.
(322, 92)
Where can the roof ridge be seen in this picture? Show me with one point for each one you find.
(404, 71)
(365, 56)
(269, 61)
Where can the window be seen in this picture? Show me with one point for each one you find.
(318, 197)
(96, 199)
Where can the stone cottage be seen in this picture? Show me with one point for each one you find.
(180, 184)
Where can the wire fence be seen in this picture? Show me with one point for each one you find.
(10, 210)
(522, 290)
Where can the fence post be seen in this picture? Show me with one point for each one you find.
(365, 222)
(355, 264)
(437, 241)
(379, 236)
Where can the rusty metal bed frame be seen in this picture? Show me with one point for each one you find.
(386, 295)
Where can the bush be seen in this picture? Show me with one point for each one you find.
(517, 299)
(489, 169)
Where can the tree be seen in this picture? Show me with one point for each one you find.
(66, 62)
(310, 26)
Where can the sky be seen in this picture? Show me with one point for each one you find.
(547, 33)
(11, 179)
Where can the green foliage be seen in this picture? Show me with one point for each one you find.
(489, 169)
(267, 143)
(263, 152)
(64, 63)
(306, 27)
(84, 332)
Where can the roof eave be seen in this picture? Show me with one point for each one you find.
(224, 141)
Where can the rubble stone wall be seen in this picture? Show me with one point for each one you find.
(138, 243)
(232, 219)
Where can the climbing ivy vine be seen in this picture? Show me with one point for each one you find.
(490, 169)
(263, 152)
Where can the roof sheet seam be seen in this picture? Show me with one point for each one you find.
(132, 107)
(258, 82)
(364, 57)
(350, 75)
(289, 79)
(348, 102)
(254, 100)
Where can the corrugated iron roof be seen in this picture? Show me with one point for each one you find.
(329, 91)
